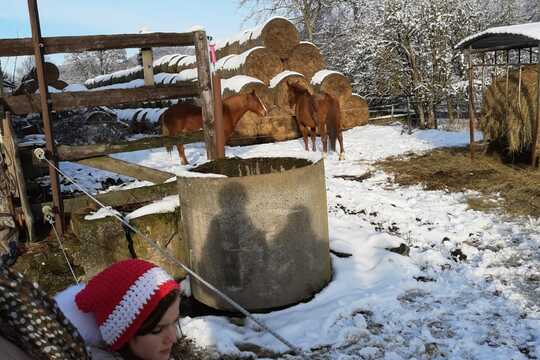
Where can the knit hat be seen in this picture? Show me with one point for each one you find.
(123, 296)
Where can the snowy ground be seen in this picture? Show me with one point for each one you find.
(470, 288)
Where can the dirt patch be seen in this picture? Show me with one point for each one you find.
(451, 169)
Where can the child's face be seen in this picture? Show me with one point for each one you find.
(157, 345)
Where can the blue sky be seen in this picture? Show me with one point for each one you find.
(220, 18)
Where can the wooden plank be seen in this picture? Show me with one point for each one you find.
(205, 87)
(536, 130)
(118, 198)
(25, 104)
(147, 61)
(74, 44)
(125, 168)
(11, 145)
(73, 153)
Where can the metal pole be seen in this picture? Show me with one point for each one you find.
(471, 105)
(45, 102)
(218, 110)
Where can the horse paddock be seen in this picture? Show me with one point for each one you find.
(500, 186)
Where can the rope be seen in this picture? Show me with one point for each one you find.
(40, 154)
(47, 212)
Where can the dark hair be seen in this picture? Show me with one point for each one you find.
(151, 322)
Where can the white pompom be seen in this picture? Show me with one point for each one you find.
(84, 322)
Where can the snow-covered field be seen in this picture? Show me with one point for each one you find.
(469, 289)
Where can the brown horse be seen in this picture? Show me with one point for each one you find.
(183, 117)
(320, 110)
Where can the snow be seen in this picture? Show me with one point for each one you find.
(75, 87)
(235, 61)
(320, 75)
(282, 75)
(531, 30)
(165, 205)
(381, 305)
(237, 82)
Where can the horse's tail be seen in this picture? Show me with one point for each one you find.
(333, 121)
(165, 130)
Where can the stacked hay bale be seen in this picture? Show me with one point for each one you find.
(263, 59)
(509, 111)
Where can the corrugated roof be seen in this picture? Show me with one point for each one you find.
(504, 37)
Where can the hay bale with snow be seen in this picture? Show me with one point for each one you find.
(280, 89)
(306, 59)
(333, 83)
(278, 35)
(173, 63)
(354, 112)
(279, 125)
(249, 124)
(508, 116)
(187, 62)
(257, 62)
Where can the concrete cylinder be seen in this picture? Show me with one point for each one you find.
(260, 234)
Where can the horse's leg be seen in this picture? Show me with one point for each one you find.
(341, 148)
(303, 129)
(324, 136)
(182, 154)
(314, 137)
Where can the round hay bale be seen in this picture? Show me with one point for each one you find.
(187, 62)
(306, 59)
(280, 89)
(333, 83)
(279, 125)
(248, 126)
(278, 35)
(173, 62)
(51, 71)
(59, 84)
(257, 62)
(354, 112)
(508, 118)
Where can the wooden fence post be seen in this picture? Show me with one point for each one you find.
(471, 104)
(147, 64)
(220, 130)
(536, 128)
(205, 87)
(38, 45)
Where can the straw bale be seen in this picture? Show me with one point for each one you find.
(187, 62)
(257, 62)
(306, 59)
(354, 112)
(334, 83)
(279, 125)
(248, 126)
(172, 64)
(280, 89)
(508, 120)
(59, 84)
(278, 34)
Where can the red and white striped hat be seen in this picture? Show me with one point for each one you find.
(122, 296)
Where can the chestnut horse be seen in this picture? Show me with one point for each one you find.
(321, 111)
(184, 117)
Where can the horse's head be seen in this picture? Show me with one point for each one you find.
(294, 90)
(255, 104)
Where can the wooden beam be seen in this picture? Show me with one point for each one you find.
(118, 198)
(147, 62)
(74, 153)
(25, 104)
(11, 146)
(536, 128)
(205, 87)
(125, 168)
(74, 44)
(45, 109)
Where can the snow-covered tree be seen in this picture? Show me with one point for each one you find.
(79, 67)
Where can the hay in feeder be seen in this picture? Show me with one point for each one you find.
(278, 35)
(509, 113)
(257, 62)
(306, 59)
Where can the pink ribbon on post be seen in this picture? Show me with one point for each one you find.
(212, 48)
